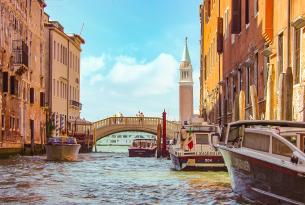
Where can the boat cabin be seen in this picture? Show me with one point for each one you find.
(143, 143)
(194, 139)
(282, 139)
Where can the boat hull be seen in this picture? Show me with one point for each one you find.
(264, 182)
(65, 152)
(197, 163)
(142, 152)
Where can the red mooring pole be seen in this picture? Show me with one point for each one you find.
(164, 152)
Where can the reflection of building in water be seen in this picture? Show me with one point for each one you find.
(124, 138)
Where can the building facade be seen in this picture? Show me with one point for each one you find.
(260, 40)
(211, 61)
(186, 106)
(63, 68)
(21, 61)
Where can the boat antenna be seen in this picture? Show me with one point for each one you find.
(81, 30)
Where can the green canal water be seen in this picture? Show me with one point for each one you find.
(109, 178)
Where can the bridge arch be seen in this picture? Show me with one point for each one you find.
(113, 125)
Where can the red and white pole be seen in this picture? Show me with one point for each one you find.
(164, 151)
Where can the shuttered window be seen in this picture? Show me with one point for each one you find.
(42, 99)
(297, 61)
(207, 10)
(12, 85)
(247, 12)
(220, 35)
(32, 95)
(280, 54)
(236, 16)
(5, 82)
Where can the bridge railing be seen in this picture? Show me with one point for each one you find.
(141, 121)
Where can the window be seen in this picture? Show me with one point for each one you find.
(226, 23)
(256, 141)
(42, 99)
(202, 138)
(3, 120)
(292, 139)
(236, 16)
(17, 124)
(255, 70)
(280, 148)
(247, 84)
(240, 81)
(58, 52)
(57, 88)
(247, 12)
(297, 45)
(280, 55)
(256, 8)
(5, 82)
(12, 122)
(32, 95)
(61, 53)
(54, 87)
(12, 85)
(54, 49)
(266, 68)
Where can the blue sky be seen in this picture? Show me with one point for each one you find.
(132, 53)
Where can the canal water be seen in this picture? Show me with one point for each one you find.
(109, 178)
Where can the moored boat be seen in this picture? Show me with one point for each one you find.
(62, 149)
(82, 131)
(192, 149)
(266, 160)
(143, 148)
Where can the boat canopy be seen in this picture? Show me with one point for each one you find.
(281, 123)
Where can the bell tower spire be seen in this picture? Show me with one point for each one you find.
(186, 86)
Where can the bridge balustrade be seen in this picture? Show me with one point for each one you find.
(112, 124)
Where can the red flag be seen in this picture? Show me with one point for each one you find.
(190, 145)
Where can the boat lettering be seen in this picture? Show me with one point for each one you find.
(208, 160)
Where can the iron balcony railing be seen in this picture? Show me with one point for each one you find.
(20, 53)
(76, 104)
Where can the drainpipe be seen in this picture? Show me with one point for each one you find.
(219, 68)
(289, 35)
(50, 86)
(288, 75)
(68, 85)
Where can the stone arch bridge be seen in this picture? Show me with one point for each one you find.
(113, 125)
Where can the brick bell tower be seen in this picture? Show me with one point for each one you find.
(186, 87)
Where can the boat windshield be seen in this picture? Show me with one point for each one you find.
(233, 134)
(280, 148)
(202, 138)
(292, 139)
(143, 143)
(256, 141)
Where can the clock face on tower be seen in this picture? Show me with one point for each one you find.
(186, 87)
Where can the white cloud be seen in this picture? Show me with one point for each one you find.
(95, 78)
(144, 79)
(92, 64)
(128, 85)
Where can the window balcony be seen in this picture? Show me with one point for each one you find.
(20, 59)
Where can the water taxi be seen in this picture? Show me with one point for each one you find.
(62, 149)
(123, 138)
(192, 149)
(143, 148)
(266, 160)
